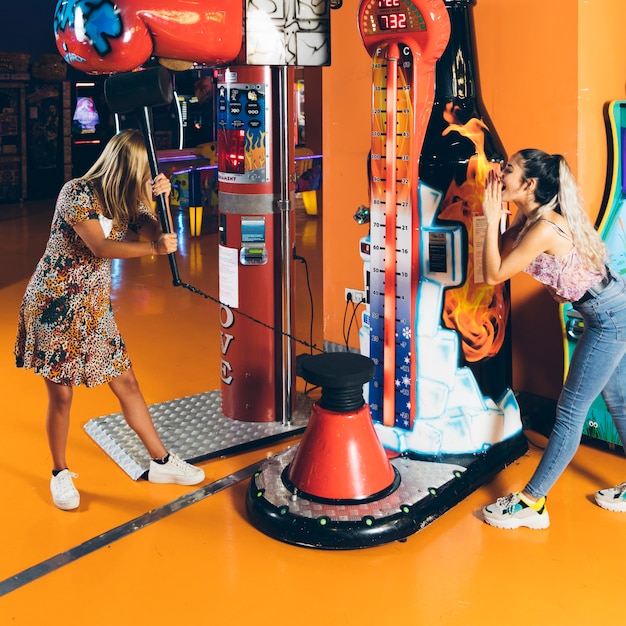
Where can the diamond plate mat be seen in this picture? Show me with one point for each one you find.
(418, 478)
(194, 428)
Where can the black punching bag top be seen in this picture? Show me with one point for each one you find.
(341, 375)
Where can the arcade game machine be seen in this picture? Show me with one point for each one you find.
(257, 134)
(430, 391)
(444, 435)
(184, 137)
(191, 162)
(255, 404)
(599, 424)
(89, 123)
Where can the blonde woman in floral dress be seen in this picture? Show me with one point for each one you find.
(66, 330)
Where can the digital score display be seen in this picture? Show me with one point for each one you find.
(389, 16)
(392, 21)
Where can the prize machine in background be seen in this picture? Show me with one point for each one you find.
(193, 169)
(186, 123)
(92, 124)
(611, 219)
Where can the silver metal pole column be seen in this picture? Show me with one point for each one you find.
(284, 205)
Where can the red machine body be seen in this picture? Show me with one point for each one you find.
(250, 252)
(106, 37)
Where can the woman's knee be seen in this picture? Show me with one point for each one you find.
(125, 384)
(59, 395)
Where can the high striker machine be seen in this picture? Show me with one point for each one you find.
(443, 433)
(433, 431)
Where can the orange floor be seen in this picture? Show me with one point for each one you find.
(206, 564)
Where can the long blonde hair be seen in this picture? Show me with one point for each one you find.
(557, 190)
(120, 177)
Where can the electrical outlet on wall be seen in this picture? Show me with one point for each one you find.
(355, 295)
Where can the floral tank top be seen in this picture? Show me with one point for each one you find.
(566, 277)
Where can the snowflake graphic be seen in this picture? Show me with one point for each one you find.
(406, 332)
(406, 380)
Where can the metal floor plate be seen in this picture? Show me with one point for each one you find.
(194, 428)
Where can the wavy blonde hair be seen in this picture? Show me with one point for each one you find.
(556, 190)
(120, 177)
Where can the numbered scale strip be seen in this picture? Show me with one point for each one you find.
(393, 251)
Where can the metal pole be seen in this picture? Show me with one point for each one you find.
(145, 121)
(284, 204)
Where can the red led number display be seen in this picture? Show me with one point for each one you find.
(392, 21)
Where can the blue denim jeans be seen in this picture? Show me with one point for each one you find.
(598, 366)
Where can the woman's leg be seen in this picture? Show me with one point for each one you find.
(614, 395)
(162, 470)
(58, 421)
(597, 356)
(136, 413)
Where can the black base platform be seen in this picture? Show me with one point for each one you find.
(426, 490)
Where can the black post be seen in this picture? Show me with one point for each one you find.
(145, 121)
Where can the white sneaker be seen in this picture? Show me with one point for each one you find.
(64, 495)
(613, 499)
(513, 511)
(175, 471)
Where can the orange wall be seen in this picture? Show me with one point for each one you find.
(546, 70)
(346, 114)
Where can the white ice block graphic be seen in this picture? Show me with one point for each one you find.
(452, 415)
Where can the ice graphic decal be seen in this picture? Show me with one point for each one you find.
(452, 416)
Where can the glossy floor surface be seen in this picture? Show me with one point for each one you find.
(204, 563)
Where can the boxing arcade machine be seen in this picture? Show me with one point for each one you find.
(256, 155)
(118, 38)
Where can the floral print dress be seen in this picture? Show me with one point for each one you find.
(66, 328)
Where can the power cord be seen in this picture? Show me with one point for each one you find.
(302, 260)
(355, 308)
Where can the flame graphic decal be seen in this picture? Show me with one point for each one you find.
(255, 152)
(477, 311)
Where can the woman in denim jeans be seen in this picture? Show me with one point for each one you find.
(552, 239)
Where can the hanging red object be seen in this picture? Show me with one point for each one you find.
(106, 37)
